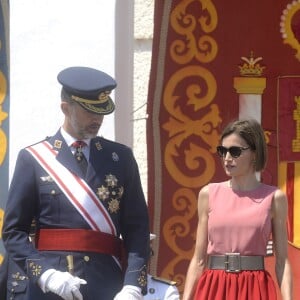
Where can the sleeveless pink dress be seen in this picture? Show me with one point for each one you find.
(239, 221)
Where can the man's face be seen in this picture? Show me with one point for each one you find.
(80, 123)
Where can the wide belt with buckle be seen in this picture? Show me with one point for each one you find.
(78, 240)
(234, 262)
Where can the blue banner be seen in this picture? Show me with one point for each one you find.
(4, 109)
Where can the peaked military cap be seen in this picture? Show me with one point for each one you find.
(89, 87)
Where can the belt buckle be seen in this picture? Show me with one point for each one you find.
(232, 262)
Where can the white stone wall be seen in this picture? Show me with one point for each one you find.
(143, 35)
(45, 37)
(51, 39)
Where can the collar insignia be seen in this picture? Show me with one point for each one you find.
(98, 146)
(57, 144)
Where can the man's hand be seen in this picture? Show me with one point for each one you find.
(61, 283)
(129, 292)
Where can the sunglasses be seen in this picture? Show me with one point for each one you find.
(234, 151)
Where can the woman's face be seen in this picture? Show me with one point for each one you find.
(241, 165)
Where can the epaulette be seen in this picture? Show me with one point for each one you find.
(45, 139)
(164, 280)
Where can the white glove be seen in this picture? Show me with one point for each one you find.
(61, 283)
(129, 292)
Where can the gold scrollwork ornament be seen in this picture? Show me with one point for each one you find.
(290, 26)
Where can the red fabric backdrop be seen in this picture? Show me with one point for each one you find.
(197, 51)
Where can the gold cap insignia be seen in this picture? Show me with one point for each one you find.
(102, 98)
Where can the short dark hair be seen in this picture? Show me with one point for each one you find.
(252, 132)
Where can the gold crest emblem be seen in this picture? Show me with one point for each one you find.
(104, 96)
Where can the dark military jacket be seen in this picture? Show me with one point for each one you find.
(34, 195)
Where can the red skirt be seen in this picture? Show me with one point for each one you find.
(245, 285)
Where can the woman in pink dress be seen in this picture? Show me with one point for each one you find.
(236, 219)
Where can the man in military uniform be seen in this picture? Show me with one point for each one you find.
(84, 193)
(160, 288)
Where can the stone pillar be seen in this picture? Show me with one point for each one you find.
(250, 90)
(250, 87)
